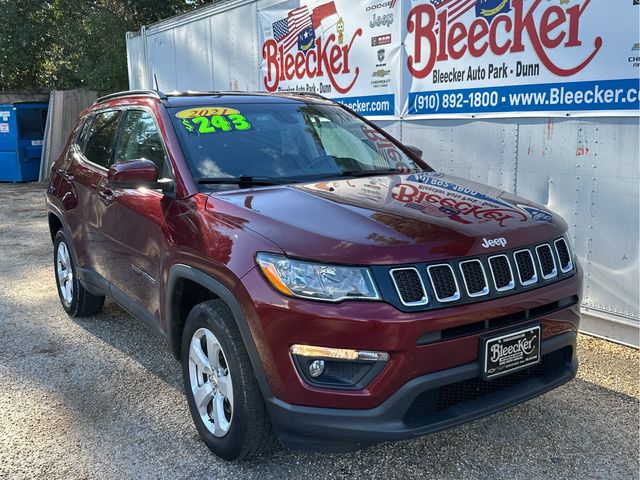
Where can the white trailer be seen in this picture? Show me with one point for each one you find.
(585, 168)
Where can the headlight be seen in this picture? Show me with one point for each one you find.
(315, 280)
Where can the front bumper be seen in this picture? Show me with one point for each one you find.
(419, 343)
(425, 404)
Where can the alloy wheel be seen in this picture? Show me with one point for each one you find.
(65, 274)
(211, 382)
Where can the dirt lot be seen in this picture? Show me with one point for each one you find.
(101, 398)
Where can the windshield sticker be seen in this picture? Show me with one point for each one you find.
(216, 123)
(206, 112)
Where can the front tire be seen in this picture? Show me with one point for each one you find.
(223, 396)
(75, 299)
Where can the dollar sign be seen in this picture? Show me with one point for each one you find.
(187, 124)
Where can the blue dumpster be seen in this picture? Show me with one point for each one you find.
(21, 134)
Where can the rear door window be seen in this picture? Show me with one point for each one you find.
(100, 144)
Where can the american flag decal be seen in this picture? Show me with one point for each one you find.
(286, 31)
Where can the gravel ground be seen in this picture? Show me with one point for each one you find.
(100, 397)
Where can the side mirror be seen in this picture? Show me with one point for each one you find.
(134, 174)
(415, 150)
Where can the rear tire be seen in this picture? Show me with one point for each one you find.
(75, 299)
(229, 413)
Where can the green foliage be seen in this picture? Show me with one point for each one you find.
(62, 44)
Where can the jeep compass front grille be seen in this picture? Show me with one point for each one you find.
(424, 286)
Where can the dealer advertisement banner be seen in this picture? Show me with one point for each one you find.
(343, 49)
(460, 58)
(521, 57)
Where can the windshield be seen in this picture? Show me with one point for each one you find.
(283, 142)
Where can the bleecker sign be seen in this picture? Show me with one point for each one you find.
(328, 57)
(503, 34)
(329, 47)
(419, 58)
(509, 57)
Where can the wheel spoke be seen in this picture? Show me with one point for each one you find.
(225, 388)
(198, 357)
(213, 350)
(202, 396)
(220, 420)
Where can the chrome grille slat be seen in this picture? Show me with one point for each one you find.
(526, 267)
(444, 282)
(546, 261)
(474, 278)
(502, 273)
(564, 255)
(409, 285)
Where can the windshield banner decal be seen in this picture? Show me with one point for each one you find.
(203, 124)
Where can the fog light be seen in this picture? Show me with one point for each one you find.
(316, 368)
(337, 368)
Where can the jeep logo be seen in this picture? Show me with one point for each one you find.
(502, 242)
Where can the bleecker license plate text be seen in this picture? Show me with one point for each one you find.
(511, 352)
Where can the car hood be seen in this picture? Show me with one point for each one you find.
(391, 219)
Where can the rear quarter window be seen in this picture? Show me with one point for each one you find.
(82, 132)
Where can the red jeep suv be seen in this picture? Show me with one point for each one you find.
(319, 282)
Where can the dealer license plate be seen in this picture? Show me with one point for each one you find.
(511, 352)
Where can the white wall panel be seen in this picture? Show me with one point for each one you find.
(136, 61)
(587, 171)
(193, 56)
(483, 151)
(161, 65)
(234, 49)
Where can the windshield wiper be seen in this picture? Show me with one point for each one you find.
(243, 180)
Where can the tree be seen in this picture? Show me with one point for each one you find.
(61, 44)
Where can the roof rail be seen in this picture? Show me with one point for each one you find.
(132, 93)
(307, 94)
(192, 93)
